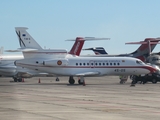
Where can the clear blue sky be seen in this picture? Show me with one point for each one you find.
(51, 22)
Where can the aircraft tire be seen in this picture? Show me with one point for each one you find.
(57, 79)
(71, 81)
(19, 80)
(15, 79)
(154, 81)
(133, 82)
(122, 82)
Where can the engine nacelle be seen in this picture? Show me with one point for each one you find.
(56, 62)
(154, 59)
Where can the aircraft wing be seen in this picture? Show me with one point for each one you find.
(24, 74)
(29, 74)
(87, 74)
(7, 69)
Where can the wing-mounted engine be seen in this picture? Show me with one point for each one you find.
(55, 62)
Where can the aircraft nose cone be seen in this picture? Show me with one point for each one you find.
(152, 69)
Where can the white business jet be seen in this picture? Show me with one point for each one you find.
(8, 69)
(64, 64)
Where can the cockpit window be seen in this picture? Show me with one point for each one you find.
(139, 62)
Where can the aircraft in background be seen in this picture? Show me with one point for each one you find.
(97, 50)
(72, 65)
(141, 53)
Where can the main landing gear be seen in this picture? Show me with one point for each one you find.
(17, 79)
(71, 80)
(80, 80)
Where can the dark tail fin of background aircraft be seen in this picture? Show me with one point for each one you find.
(145, 49)
(97, 50)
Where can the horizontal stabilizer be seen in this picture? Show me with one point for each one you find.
(147, 41)
(22, 50)
(97, 48)
(87, 38)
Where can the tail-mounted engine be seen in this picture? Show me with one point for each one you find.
(56, 62)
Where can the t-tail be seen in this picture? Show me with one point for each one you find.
(145, 49)
(79, 42)
(77, 47)
(31, 48)
(97, 50)
(25, 39)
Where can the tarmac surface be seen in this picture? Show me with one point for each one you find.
(102, 98)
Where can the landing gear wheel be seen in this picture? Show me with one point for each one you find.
(133, 82)
(154, 81)
(15, 79)
(122, 82)
(71, 80)
(79, 82)
(57, 79)
(19, 79)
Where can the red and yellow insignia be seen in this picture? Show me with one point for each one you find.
(59, 62)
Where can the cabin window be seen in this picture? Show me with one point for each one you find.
(114, 63)
(80, 63)
(106, 63)
(117, 63)
(84, 64)
(76, 63)
(103, 63)
(95, 63)
(110, 63)
(91, 63)
(99, 63)
(87, 63)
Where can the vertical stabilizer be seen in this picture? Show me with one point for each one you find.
(146, 48)
(25, 39)
(77, 47)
